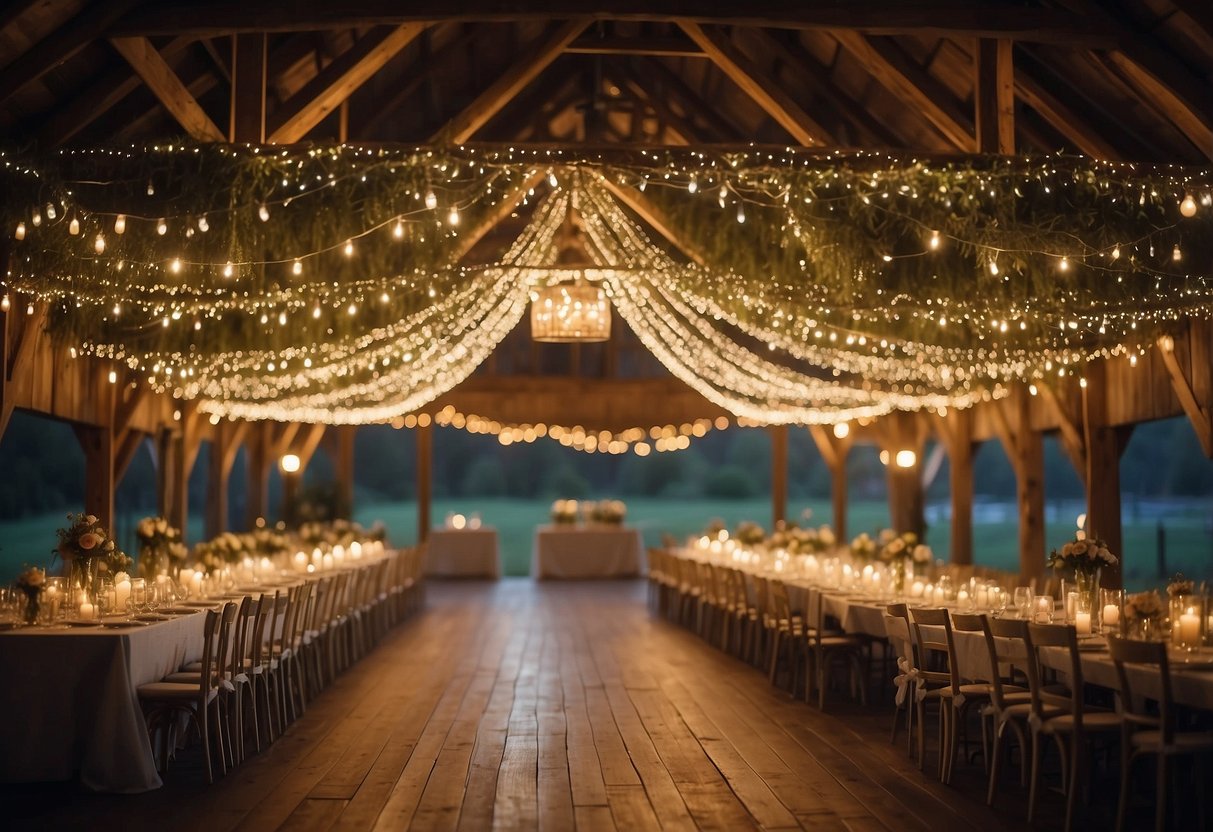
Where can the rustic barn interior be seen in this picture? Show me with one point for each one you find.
(426, 703)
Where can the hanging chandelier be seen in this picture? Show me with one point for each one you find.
(572, 310)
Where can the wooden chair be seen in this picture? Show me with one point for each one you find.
(164, 702)
(934, 685)
(897, 629)
(787, 635)
(823, 648)
(1009, 705)
(1074, 727)
(1146, 734)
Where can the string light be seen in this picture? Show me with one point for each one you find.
(120, 224)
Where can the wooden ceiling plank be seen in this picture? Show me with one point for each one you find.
(1178, 108)
(755, 83)
(938, 18)
(900, 75)
(1200, 12)
(1063, 118)
(624, 75)
(537, 58)
(61, 45)
(337, 81)
(658, 47)
(167, 87)
(994, 96)
(675, 85)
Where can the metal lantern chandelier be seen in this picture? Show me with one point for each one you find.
(573, 311)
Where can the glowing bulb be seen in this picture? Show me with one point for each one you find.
(842, 430)
(1116, 253)
(175, 265)
(353, 309)
(1032, 389)
(99, 244)
(349, 248)
(316, 311)
(552, 178)
(281, 319)
(73, 227)
(36, 219)
(161, 227)
(933, 243)
(297, 267)
(5, 303)
(227, 269)
(453, 217)
(203, 225)
(692, 186)
(20, 232)
(113, 377)
(906, 458)
(117, 309)
(1064, 265)
(151, 189)
(993, 267)
(431, 201)
(1176, 254)
(289, 463)
(1188, 206)
(398, 231)
(120, 224)
(740, 212)
(263, 212)
(50, 211)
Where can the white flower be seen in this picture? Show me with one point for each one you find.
(1079, 548)
(826, 535)
(91, 519)
(922, 553)
(885, 536)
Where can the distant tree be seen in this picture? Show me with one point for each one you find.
(751, 452)
(565, 483)
(485, 477)
(729, 482)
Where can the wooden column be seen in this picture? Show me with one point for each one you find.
(995, 96)
(343, 465)
(956, 431)
(98, 446)
(171, 477)
(1025, 448)
(425, 463)
(225, 444)
(302, 442)
(1104, 446)
(247, 122)
(779, 473)
(260, 455)
(834, 451)
(903, 432)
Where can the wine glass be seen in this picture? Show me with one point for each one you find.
(1023, 601)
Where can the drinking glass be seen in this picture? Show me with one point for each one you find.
(1023, 601)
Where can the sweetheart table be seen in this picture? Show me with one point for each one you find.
(463, 553)
(593, 551)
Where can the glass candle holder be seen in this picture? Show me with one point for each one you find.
(1042, 609)
(1187, 620)
(1112, 611)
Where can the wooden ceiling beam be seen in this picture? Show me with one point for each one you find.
(934, 18)
(626, 76)
(994, 96)
(537, 58)
(899, 74)
(672, 84)
(1178, 107)
(97, 98)
(644, 208)
(1061, 115)
(659, 47)
(60, 45)
(337, 81)
(167, 87)
(1200, 12)
(250, 60)
(755, 83)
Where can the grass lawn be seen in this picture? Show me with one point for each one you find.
(1189, 535)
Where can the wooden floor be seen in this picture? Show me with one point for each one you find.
(551, 706)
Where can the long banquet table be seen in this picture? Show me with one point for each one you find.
(463, 553)
(595, 551)
(69, 695)
(1191, 674)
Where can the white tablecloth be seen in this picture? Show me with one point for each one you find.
(69, 702)
(587, 552)
(463, 553)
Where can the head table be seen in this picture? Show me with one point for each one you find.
(69, 693)
(463, 553)
(866, 614)
(595, 550)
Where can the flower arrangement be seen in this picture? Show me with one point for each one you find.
(117, 561)
(801, 541)
(339, 532)
(222, 551)
(749, 533)
(564, 512)
(84, 539)
(863, 547)
(610, 512)
(160, 545)
(31, 582)
(1180, 586)
(905, 547)
(1143, 606)
(1083, 555)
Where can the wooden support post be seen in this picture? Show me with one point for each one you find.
(1105, 444)
(956, 431)
(425, 464)
(903, 432)
(995, 96)
(247, 120)
(1025, 448)
(779, 473)
(98, 446)
(343, 466)
(834, 451)
(215, 520)
(173, 477)
(259, 460)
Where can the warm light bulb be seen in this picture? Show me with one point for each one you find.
(1064, 264)
(933, 243)
(161, 227)
(113, 377)
(263, 212)
(349, 248)
(1116, 253)
(297, 267)
(203, 225)
(842, 430)
(993, 267)
(289, 463)
(740, 212)
(5, 303)
(431, 201)
(1188, 206)
(73, 227)
(175, 265)
(281, 319)
(20, 232)
(1176, 254)
(50, 211)
(398, 231)
(120, 224)
(453, 217)
(692, 186)
(99, 244)
(552, 179)
(227, 269)
(906, 458)
(151, 189)
(36, 219)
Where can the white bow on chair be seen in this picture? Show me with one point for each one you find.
(908, 676)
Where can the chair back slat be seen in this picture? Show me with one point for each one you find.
(1065, 637)
(1126, 651)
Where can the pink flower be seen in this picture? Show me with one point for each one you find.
(88, 541)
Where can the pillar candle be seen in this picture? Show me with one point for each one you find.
(962, 597)
(916, 589)
(122, 594)
(1082, 623)
(300, 562)
(1189, 627)
(1044, 609)
(87, 610)
(1111, 615)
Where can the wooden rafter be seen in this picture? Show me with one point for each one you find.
(1178, 107)
(627, 78)
(667, 82)
(1199, 11)
(167, 88)
(537, 57)
(995, 96)
(898, 73)
(652, 215)
(337, 81)
(1198, 414)
(1062, 115)
(759, 86)
(60, 45)
(1070, 425)
(659, 47)
(939, 18)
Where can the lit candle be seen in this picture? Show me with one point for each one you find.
(327, 562)
(1044, 609)
(916, 589)
(88, 610)
(940, 596)
(356, 548)
(53, 596)
(1082, 623)
(962, 597)
(1189, 627)
(1111, 615)
(122, 594)
(139, 591)
(196, 583)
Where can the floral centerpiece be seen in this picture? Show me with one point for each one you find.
(82, 545)
(224, 550)
(1180, 586)
(749, 533)
(1085, 557)
(31, 582)
(863, 547)
(564, 512)
(904, 549)
(160, 546)
(1143, 613)
(609, 512)
(798, 540)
